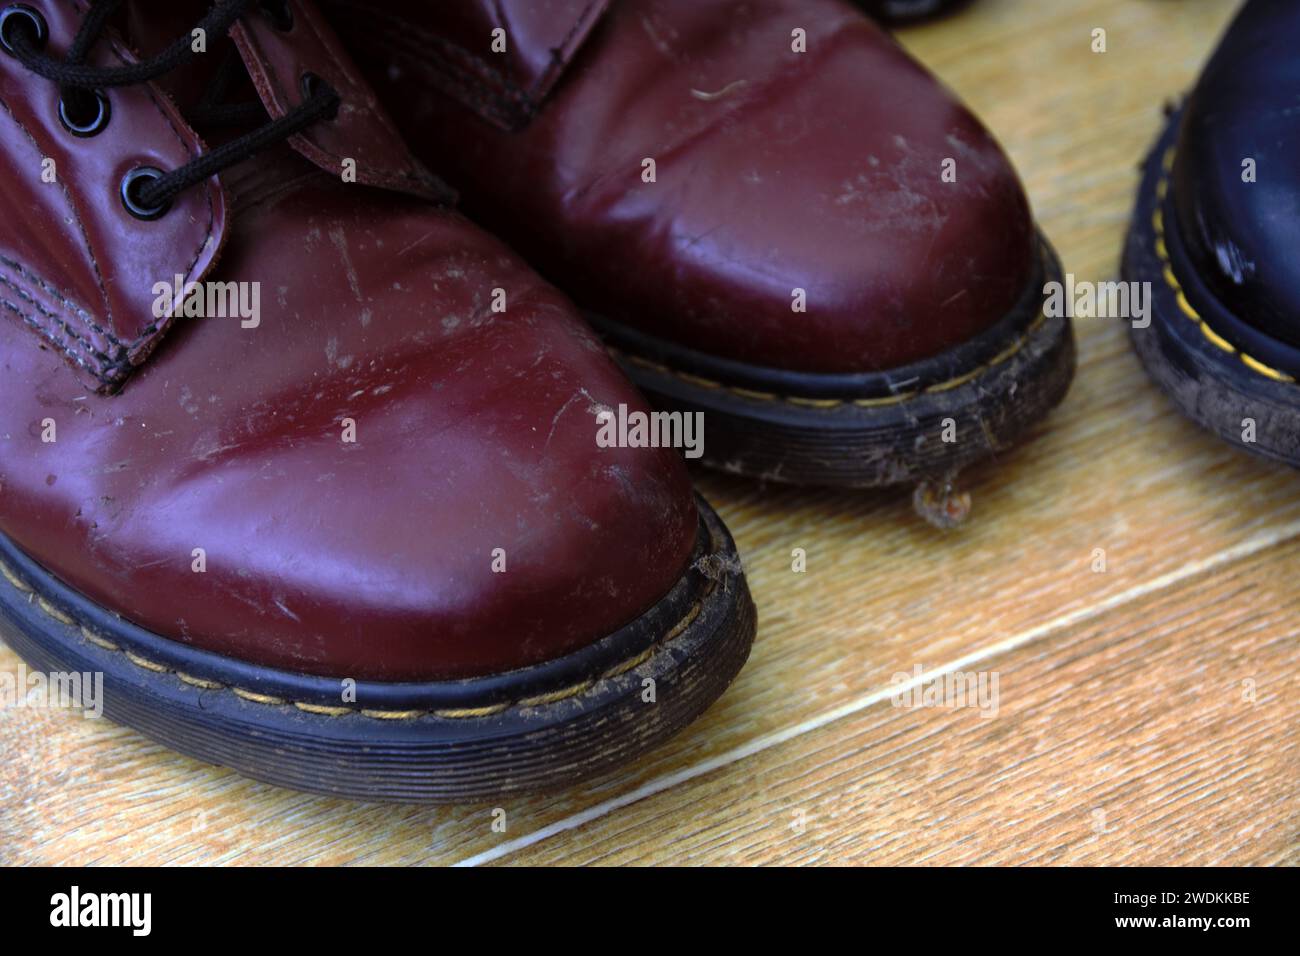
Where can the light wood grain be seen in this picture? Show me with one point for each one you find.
(1163, 730)
(1114, 469)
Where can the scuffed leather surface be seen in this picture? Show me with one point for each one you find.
(776, 171)
(1243, 237)
(475, 431)
(76, 269)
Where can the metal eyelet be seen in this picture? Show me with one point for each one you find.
(131, 184)
(85, 122)
(15, 17)
(310, 84)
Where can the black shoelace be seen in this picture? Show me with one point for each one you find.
(80, 86)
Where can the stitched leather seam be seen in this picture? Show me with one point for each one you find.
(49, 336)
(1162, 252)
(65, 347)
(56, 295)
(110, 370)
(105, 368)
(459, 713)
(153, 327)
(828, 403)
(72, 208)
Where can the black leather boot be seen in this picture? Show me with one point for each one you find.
(1217, 234)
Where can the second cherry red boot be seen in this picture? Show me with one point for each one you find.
(770, 212)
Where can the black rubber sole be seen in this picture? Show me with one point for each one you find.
(1232, 393)
(870, 430)
(540, 728)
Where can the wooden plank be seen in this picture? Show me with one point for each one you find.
(1160, 733)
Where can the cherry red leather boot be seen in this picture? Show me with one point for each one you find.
(768, 209)
(344, 523)
(1215, 237)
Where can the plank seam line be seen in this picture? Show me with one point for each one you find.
(1246, 549)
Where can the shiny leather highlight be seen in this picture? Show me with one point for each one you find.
(76, 268)
(475, 429)
(776, 171)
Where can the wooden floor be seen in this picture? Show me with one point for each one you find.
(1147, 713)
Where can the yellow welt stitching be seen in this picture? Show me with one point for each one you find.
(468, 713)
(698, 380)
(830, 403)
(1005, 354)
(1263, 369)
(94, 638)
(1217, 340)
(13, 579)
(887, 400)
(954, 382)
(258, 698)
(199, 681)
(629, 665)
(757, 396)
(322, 709)
(54, 612)
(816, 402)
(145, 663)
(645, 363)
(683, 624)
(1162, 252)
(558, 695)
(452, 713)
(1187, 306)
(1008, 352)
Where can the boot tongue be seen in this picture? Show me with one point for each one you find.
(360, 144)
